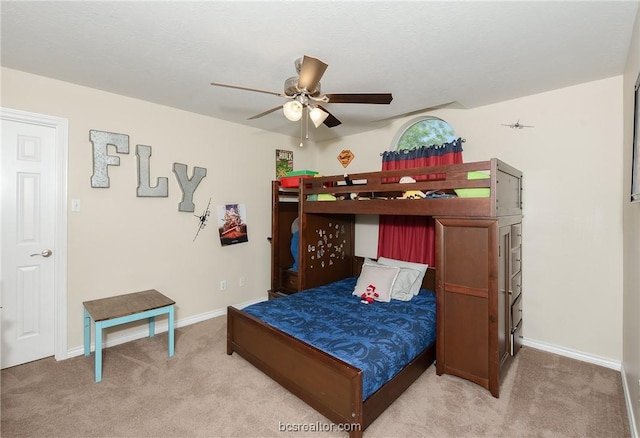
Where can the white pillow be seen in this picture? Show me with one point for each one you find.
(415, 287)
(379, 280)
(402, 287)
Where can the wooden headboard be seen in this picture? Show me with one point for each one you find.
(429, 281)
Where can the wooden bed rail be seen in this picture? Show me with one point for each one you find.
(428, 178)
(381, 193)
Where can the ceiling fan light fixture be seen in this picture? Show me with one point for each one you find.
(292, 110)
(303, 92)
(318, 116)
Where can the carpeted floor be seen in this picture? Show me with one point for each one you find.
(203, 392)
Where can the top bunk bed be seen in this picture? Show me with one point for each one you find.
(480, 189)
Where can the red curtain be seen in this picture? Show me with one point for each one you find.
(412, 238)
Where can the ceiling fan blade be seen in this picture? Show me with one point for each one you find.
(376, 98)
(453, 104)
(218, 84)
(269, 111)
(311, 72)
(331, 120)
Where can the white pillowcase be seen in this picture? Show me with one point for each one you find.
(379, 277)
(402, 286)
(417, 283)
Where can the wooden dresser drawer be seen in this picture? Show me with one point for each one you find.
(273, 294)
(290, 279)
(516, 235)
(516, 286)
(516, 312)
(516, 339)
(516, 259)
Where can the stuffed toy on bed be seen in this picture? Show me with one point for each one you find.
(411, 194)
(370, 295)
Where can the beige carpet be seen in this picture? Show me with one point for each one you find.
(202, 392)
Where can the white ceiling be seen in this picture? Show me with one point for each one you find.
(426, 53)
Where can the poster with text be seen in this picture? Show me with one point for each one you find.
(232, 224)
(284, 162)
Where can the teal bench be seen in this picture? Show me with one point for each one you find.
(121, 309)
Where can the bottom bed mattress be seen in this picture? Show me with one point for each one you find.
(379, 338)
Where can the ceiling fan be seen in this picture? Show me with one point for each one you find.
(303, 94)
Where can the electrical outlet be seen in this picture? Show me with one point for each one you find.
(242, 282)
(223, 285)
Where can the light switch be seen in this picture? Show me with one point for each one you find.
(75, 205)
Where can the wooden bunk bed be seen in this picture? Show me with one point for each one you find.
(479, 318)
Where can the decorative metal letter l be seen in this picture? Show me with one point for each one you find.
(144, 185)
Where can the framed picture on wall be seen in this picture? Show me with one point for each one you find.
(635, 171)
(232, 224)
(284, 162)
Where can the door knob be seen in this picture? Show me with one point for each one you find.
(44, 253)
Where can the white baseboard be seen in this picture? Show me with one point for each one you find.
(574, 354)
(160, 327)
(627, 398)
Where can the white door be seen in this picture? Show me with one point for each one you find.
(29, 222)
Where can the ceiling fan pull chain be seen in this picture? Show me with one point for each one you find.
(301, 122)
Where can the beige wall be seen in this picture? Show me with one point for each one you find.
(122, 243)
(631, 233)
(572, 247)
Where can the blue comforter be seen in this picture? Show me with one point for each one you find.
(378, 338)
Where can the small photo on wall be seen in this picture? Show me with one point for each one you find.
(232, 224)
(284, 162)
